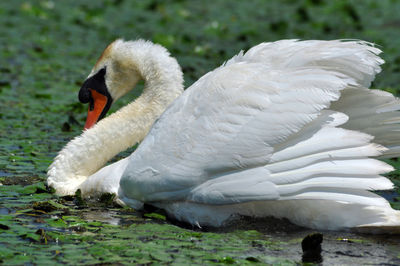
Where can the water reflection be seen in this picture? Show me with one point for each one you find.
(4, 211)
(104, 216)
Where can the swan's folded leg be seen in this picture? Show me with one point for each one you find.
(106, 180)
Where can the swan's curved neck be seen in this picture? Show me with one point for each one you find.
(87, 153)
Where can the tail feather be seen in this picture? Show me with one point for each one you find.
(329, 164)
(373, 112)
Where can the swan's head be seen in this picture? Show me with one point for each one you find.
(113, 75)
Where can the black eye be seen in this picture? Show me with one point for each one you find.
(96, 82)
(101, 74)
(84, 94)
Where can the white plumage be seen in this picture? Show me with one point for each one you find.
(288, 129)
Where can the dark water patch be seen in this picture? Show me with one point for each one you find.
(4, 211)
(4, 174)
(391, 195)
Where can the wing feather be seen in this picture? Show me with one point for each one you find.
(230, 129)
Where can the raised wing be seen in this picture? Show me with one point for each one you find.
(230, 123)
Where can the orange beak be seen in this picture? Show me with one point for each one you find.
(96, 108)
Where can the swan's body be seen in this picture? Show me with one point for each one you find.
(284, 130)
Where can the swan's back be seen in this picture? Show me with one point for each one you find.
(257, 137)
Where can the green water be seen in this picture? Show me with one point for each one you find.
(47, 48)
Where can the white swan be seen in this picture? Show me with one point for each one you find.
(283, 130)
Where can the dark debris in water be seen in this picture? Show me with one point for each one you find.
(44, 238)
(108, 200)
(4, 227)
(78, 200)
(22, 180)
(47, 206)
(78, 228)
(311, 246)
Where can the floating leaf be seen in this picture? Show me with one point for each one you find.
(155, 216)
